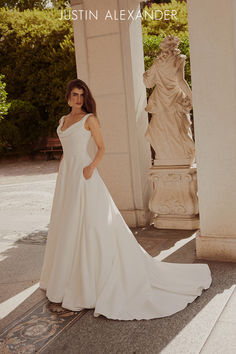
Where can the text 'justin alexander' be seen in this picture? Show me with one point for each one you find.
(121, 15)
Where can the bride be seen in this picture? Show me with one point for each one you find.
(92, 260)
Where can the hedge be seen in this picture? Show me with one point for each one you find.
(38, 58)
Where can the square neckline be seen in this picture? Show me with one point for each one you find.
(73, 123)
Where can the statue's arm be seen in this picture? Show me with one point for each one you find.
(149, 77)
(182, 82)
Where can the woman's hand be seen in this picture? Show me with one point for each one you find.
(88, 171)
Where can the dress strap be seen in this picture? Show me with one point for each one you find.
(61, 121)
(86, 116)
(84, 121)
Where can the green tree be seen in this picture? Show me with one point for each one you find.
(176, 26)
(37, 59)
(22, 5)
(3, 98)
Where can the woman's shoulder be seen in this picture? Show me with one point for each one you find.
(91, 115)
(65, 116)
(92, 118)
(60, 120)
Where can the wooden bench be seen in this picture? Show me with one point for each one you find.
(52, 145)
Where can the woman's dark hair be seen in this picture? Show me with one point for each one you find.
(89, 103)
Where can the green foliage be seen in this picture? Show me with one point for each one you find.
(20, 130)
(22, 5)
(3, 98)
(177, 27)
(151, 45)
(154, 31)
(38, 58)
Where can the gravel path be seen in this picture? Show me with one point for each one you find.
(26, 192)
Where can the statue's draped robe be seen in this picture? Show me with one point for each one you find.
(169, 130)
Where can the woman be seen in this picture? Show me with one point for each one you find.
(92, 259)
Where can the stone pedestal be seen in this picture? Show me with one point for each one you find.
(221, 248)
(174, 200)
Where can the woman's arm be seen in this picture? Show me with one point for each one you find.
(62, 152)
(93, 125)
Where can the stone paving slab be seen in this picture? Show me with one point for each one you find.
(222, 338)
(32, 332)
(184, 332)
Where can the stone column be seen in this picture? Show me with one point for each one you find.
(213, 67)
(109, 58)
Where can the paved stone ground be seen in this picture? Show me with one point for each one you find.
(208, 325)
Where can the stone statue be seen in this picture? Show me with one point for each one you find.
(169, 131)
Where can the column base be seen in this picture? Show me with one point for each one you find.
(216, 248)
(136, 217)
(182, 163)
(176, 223)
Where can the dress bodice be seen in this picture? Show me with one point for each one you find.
(75, 139)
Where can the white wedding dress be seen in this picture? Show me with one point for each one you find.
(92, 259)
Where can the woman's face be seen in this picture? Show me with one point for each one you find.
(76, 99)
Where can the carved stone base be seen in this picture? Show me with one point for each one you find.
(216, 248)
(169, 163)
(174, 200)
(180, 223)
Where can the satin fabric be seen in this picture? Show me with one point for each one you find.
(92, 260)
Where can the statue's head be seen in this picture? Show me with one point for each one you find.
(169, 49)
(169, 43)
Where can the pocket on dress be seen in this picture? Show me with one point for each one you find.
(83, 175)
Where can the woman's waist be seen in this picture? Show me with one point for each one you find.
(83, 157)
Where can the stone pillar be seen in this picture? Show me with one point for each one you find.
(213, 67)
(109, 58)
